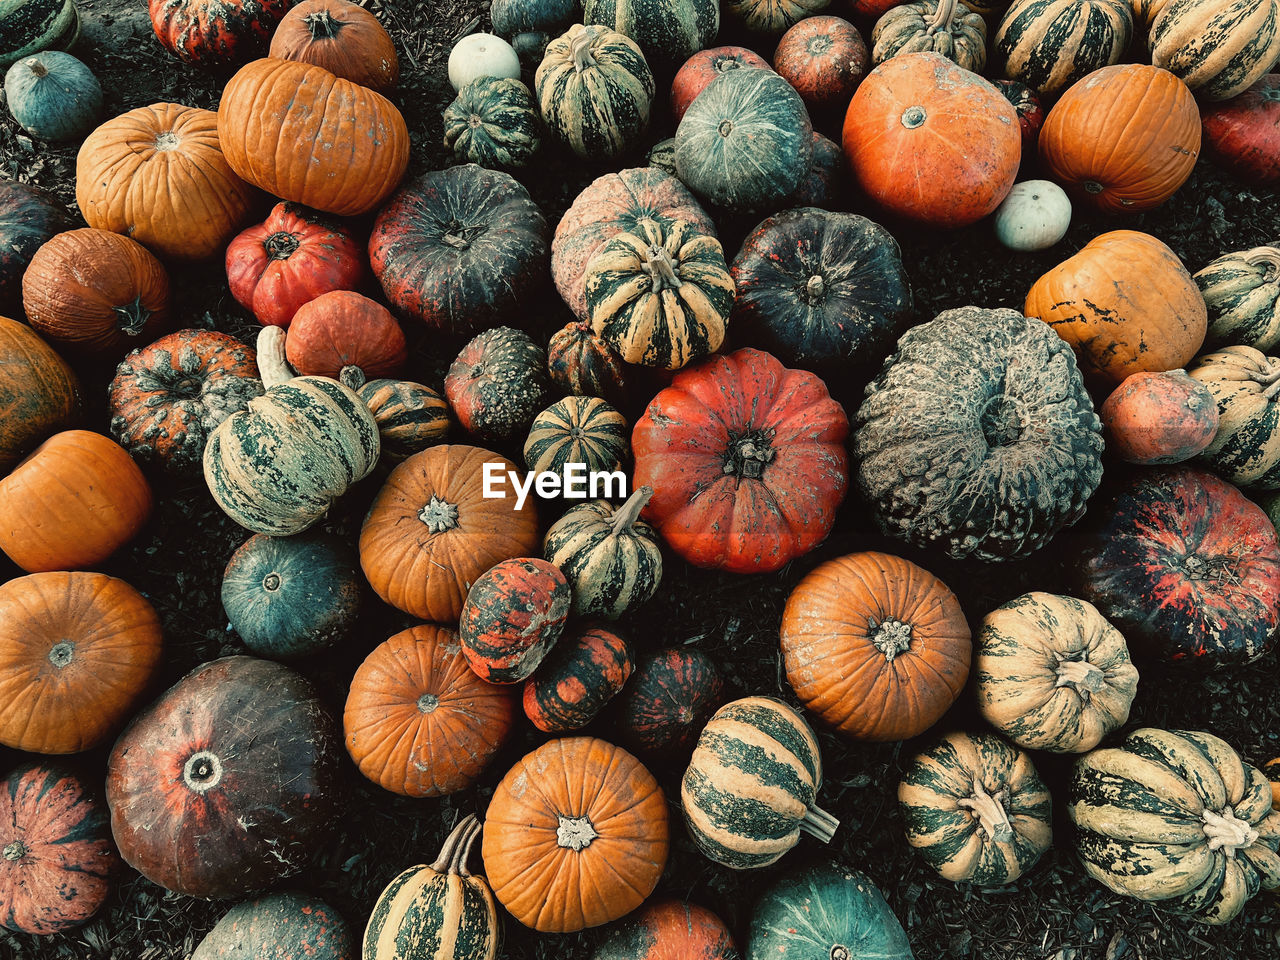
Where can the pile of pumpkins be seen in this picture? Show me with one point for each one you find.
(692, 388)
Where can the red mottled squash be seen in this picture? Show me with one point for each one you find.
(418, 720)
(498, 383)
(38, 392)
(670, 930)
(29, 218)
(514, 612)
(703, 67)
(1242, 135)
(280, 925)
(584, 365)
(344, 38)
(824, 58)
(747, 462)
(215, 31)
(582, 673)
(345, 329)
(668, 701)
(1159, 418)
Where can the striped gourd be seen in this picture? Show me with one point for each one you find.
(975, 809)
(278, 466)
(493, 122)
(577, 430)
(583, 673)
(594, 89)
(660, 296)
(1219, 48)
(1245, 383)
(1242, 292)
(752, 784)
(436, 912)
(1176, 817)
(1146, 11)
(582, 364)
(610, 557)
(410, 416)
(29, 26)
(668, 31)
(1050, 44)
(936, 26)
(772, 17)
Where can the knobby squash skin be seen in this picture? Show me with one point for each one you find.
(36, 25)
(498, 383)
(670, 930)
(1242, 293)
(583, 672)
(671, 696)
(203, 33)
(513, 614)
(279, 925)
(1050, 44)
(39, 394)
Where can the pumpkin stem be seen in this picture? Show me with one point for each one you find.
(575, 833)
(1083, 677)
(1268, 257)
(989, 809)
(202, 771)
(818, 823)
(439, 515)
(580, 48)
(281, 245)
(15, 851)
(133, 317)
(322, 25)
(448, 853)
(464, 850)
(942, 17)
(37, 67)
(891, 637)
(273, 368)
(749, 455)
(1226, 831)
(840, 952)
(661, 269)
(62, 653)
(815, 289)
(624, 518)
(351, 377)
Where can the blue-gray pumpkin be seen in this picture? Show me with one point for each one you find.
(281, 925)
(29, 26)
(53, 96)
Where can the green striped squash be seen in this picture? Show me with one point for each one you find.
(663, 156)
(1176, 817)
(1242, 292)
(410, 416)
(1218, 48)
(669, 32)
(773, 17)
(1244, 383)
(594, 89)
(752, 784)
(578, 430)
(975, 809)
(1050, 44)
(944, 27)
(436, 912)
(660, 296)
(29, 26)
(493, 122)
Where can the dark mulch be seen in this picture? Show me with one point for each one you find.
(1055, 912)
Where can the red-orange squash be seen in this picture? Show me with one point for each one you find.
(38, 392)
(579, 677)
(1156, 418)
(345, 329)
(824, 58)
(514, 612)
(670, 930)
(344, 38)
(703, 67)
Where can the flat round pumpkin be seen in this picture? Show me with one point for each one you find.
(284, 924)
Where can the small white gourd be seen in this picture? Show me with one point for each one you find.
(1034, 216)
(482, 55)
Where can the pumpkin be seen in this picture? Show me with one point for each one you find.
(825, 910)
(975, 809)
(277, 466)
(1052, 674)
(1185, 567)
(95, 291)
(482, 55)
(344, 38)
(418, 720)
(439, 908)
(670, 930)
(876, 646)
(460, 249)
(1030, 114)
(498, 383)
(29, 26)
(1125, 304)
(290, 597)
(513, 613)
(746, 142)
(493, 122)
(1246, 449)
(53, 96)
(583, 672)
(752, 783)
(56, 854)
(584, 365)
(978, 436)
(77, 650)
(771, 17)
(660, 296)
(594, 90)
(158, 175)
(703, 67)
(585, 846)
(208, 32)
(1175, 817)
(38, 392)
(945, 27)
(662, 155)
(303, 134)
(742, 421)
(824, 58)
(431, 531)
(1242, 135)
(1218, 47)
(1050, 44)
(819, 290)
(670, 698)
(584, 431)
(72, 503)
(932, 142)
(29, 218)
(1159, 418)
(824, 185)
(289, 259)
(410, 416)
(1034, 216)
(1242, 293)
(343, 329)
(292, 924)
(667, 32)
(1090, 144)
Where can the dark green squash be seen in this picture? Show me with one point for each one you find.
(577, 430)
(293, 925)
(668, 32)
(671, 696)
(29, 218)
(584, 365)
(1050, 44)
(825, 184)
(493, 122)
(53, 96)
(29, 26)
(498, 383)
(581, 674)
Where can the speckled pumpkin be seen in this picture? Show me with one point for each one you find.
(670, 930)
(771, 17)
(206, 33)
(1159, 418)
(1242, 293)
(584, 365)
(670, 698)
(410, 416)
(498, 383)
(581, 674)
(282, 924)
(1245, 384)
(1050, 44)
(824, 58)
(493, 122)
(514, 612)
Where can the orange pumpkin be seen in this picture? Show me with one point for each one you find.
(344, 38)
(303, 134)
(418, 721)
(1158, 418)
(1126, 304)
(343, 329)
(77, 499)
(1123, 138)
(38, 392)
(158, 174)
(576, 835)
(76, 652)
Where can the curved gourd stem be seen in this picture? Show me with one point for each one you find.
(459, 865)
(449, 852)
(1227, 832)
(133, 317)
(626, 516)
(273, 368)
(1265, 257)
(990, 812)
(351, 377)
(662, 270)
(942, 17)
(1270, 378)
(580, 49)
(818, 823)
(1081, 676)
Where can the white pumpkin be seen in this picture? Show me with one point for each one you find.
(1034, 216)
(482, 55)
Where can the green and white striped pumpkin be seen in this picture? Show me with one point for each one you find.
(669, 32)
(1242, 292)
(29, 26)
(975, 809)
(579, 430)
(436, 912)
(1050, 44)
(1176, 818)
(752, 784)
(610, 557)
(773, 17)
(1245, 383)
(1218, 48)
(493, 122)
(410, 416)
(594, 89)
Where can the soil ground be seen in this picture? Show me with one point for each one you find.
(1054, 913)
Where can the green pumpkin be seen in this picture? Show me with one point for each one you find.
(29, 26)
(410, 416)
(771, 17)
(669, 32)
(492, 122)
(1242, 292)
(53, 96)
(279, 925)
(578, 430)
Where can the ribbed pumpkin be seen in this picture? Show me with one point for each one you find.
(584, 365)
(493, 122)
(56, 854)
(945, 27)
(670, 698)
(431, 531)
(1126, 137)
(53, 96)
(975, 809)
(1242, 293)
(498, 383)
(344, 38)
(824, 58)
(584, 431)
(1159, 418)
(410, 416)
(72, 503)
(582, 673)
(38, 392)
(303, 134)
(660, 296)
(293, 924)
(576, 835)
(1052, 674)
(1242, 135)
(1176, 818)
(1050, 44)
(1246, 448)
(158, 175)
(77, 650)
(1218, 47)
(668, 32)
(418, 721)
(343, 329)
(29, 26)
(876, 646)
(771, 17)
(513, 613)
(439, 908)
(205, 32)
(29, 218)
(703, 67)
(670, 930)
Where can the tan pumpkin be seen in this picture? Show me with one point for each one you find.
(1245, 383)
(938, 26)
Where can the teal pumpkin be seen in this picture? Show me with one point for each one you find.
(53, 96)
(29, 26)
(279, 925)
(669, 32)
(493, 122)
